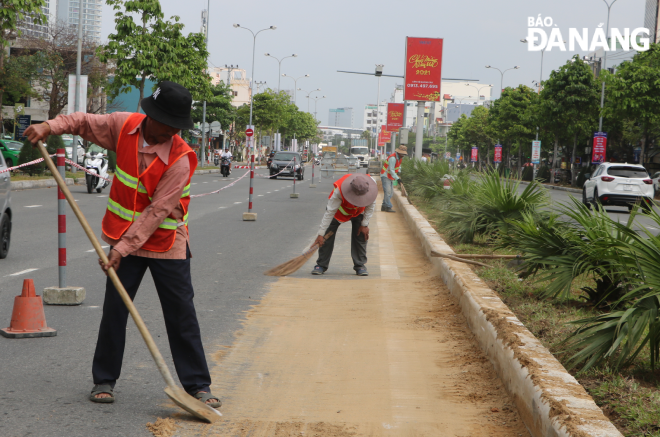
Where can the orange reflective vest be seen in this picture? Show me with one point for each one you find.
(386, 164)
(346, 210)
(131, 191)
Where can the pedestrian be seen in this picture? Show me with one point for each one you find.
(146, 226)
(424, 158)
(354, 200)
(389, 176)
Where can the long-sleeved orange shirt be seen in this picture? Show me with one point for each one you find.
(104, 130)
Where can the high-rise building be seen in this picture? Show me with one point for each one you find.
(651, 19)
(342, 117)
(29, 29)
(68, 13)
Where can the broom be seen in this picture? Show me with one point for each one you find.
(294, 264)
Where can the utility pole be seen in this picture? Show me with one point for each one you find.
(74, 146)
(205, 20)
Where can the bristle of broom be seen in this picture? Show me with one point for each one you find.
(290, 266)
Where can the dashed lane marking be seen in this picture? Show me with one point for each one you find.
(22, 272)
(94, 250)
(260, 195)
(32, 206)
(236, 203)
(103, 195)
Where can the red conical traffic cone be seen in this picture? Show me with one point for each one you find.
(28, 318)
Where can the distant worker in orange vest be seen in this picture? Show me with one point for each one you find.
(389, 176)
(354, 200)
(146, 226)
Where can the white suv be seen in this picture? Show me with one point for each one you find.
(619, 185)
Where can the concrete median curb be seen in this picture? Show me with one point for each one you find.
(38, 183)
(550, 401)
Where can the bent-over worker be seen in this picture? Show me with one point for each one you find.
(146, 225)
(354, 199)
(389, 176)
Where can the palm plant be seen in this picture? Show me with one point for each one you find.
(620, 336)
(487, 206)
(424, 180)
(575, 243)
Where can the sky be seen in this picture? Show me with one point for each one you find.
(355, 35)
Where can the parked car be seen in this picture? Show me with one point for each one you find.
(282, 163)
(619, 185)
(68, 146)
(5, 209)
(656, 182)
(10, 151)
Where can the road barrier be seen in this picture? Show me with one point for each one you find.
(80, 167)
(36, 161)
(61, 221)
(28, 319)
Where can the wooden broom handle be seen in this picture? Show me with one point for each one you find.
(148, 339)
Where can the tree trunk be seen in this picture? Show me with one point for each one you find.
(555, 161)
(2, 66)
(144, 79)
(488, 154)
(573, 167)
(519, 162)
(643, 141)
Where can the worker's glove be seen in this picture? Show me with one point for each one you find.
(395, 183)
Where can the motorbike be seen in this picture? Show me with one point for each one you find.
(269, 161)
(97, 163)
(215, 160)
(225, 167)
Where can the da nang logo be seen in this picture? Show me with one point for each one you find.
(543, 34)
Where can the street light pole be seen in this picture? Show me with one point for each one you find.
(602, 91)
(206, 25)
(308, 94)
(74, 146)
(295, 86)
(478, 90)
(251, 216)
(502, 75)
(279, 71)
(316, 99)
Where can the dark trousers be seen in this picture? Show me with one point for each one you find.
(175, 291)
(358, 244)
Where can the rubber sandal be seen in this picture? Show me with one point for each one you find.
(205, 396)
(102, 388)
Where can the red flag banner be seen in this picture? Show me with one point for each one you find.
(423, 69)
(600, 148)
(384, 137)
(394, 117)
(497, 158)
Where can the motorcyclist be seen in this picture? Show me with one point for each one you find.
(227, 154)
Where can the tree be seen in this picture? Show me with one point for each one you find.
(218, 107)
(634, 92)
(58, 55)
(153, 48)
(571, 95)
(11, 13)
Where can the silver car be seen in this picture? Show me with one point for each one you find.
(5, 209)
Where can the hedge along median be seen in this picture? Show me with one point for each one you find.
(550, 400)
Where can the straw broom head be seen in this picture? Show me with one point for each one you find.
(296, 263)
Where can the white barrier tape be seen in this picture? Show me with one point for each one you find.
(246, 166)
(36, 161)
(223, 188)
(68, 161)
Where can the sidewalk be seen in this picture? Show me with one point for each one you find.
(340, 355)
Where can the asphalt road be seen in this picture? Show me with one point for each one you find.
(46, 381)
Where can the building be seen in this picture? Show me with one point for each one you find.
(651, 19)
(341, 117)
(28, 28)
(237, 80)
(331, 132)
(67, 13)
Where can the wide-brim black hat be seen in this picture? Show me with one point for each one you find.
(170, 104)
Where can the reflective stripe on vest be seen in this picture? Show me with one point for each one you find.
(127, 214)
(132, 182)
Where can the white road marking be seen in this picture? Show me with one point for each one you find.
(94, 250)
(93, 306)
(388, 266)
(193, 183)
(22, 272)
(221, 207)
(268, 192)
(260, 195)
(205, 182)
(236, 203)
(103, 195)
(32, 206)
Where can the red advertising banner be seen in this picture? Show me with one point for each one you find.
(384, 137)
(497, 157)
(423, 69)
(475, 154)
(394, 117)
(600, 147)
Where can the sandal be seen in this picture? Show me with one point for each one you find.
(102, 388)
(205, 396)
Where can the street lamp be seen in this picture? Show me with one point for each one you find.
(316, 99)
(478, 90)
(260, 84)
(502, 74)
(254, 45)
(524, 40)
(313, 91)
(279, 61)
(602, 92)
(295, 85)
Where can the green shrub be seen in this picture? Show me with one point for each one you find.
(528, 173)
(543, 175)
(27, 154)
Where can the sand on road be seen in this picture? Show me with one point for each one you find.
(340, 355)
